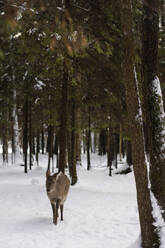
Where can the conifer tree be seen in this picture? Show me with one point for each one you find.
(149, 234)
(154, 110)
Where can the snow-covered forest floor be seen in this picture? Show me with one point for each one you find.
(100, 211)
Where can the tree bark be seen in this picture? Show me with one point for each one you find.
(73, 143)
(63, 121)
(56, 145)
(129, 153)
(50, 147)
(102, 143)
(110, 152)
(116, 148)
(15, 129)
(42, 141)
(78, 136)
(153, 102)
(5, 135)
(120, 142)
(37, 146)
(88, 137)
(25, 134)
(148, 231)
(30, 136)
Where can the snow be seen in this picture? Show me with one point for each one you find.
(100, 211)
(159, 221)
(138, 117)
(17, 35)
(158, 92)
(58, 36)
(159, 104)
(32, 31)
(156, 210)
(39, 84)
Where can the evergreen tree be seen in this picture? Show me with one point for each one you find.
(153, 101)
(149, 233)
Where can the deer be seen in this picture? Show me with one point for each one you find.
(57, 187)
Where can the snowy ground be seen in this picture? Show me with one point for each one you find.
(100, 211)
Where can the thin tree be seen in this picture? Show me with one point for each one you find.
(63, 121)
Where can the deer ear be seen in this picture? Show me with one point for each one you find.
(47, 173)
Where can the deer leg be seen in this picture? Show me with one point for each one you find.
(53, 209)
(61, 209)
(56, 211)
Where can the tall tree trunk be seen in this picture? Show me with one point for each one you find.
(84, 140)
(64, 106)
(88, 137)
(148, 231)
(5, 146)
(78, 135)
(30, 136)
(25, 134)
(129, 153)
(56, 145)
(37, 146)
(116, 148)
(69, 149)
(102, 143)
(95, 142)
(50, 147)
(63, 121)
(33, 143)
(155, 116)
(5, 136)
(73, 143)
(42, 141)
(120, 142)
(110, 151)
(16, 150)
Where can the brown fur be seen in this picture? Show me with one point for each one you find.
(57, 187)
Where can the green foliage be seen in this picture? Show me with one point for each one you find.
(88, 36)
(1, 55)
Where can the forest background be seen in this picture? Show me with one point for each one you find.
(76, 71)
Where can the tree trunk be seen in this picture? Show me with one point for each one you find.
(95, 142)
(69, 149)
(33, 143)
(129, 153)
(5, 147)
(116, 148)
(110, 152)
(84, 140)
(148, 231)
(16, 150)
(78, 136)
(73, 143)
(50, 147)
(25, 134)
(42, 141)
(37, 146)
(63, 121)
(56, 145)
(102, 142)
(120, 142)
(5, 138)
(30, 136)
(88, 137)
(155, 116)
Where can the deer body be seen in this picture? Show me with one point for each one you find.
(57, 187)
